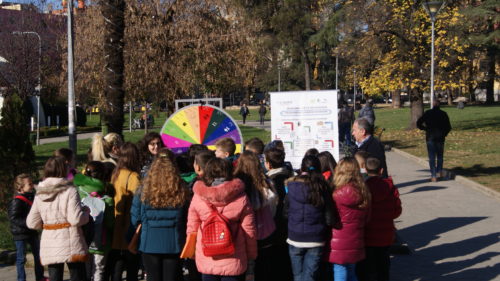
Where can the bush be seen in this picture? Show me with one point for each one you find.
(16, 151)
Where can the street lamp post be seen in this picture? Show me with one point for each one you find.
(39, 87)
(279, 77)
(433, 8)
(71, 81)
(354, 99)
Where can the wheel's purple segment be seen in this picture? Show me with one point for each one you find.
(234, 134)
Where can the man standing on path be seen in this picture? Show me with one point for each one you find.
(437, 125)
(362, 131)
(262, 111)
(346, 116)
(368, 113)
(244, 111)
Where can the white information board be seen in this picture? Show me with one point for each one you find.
(304, 120)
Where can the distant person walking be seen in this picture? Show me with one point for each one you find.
(437, 125)
(346, 117)
(244, 111)
(262, 111)
(367, 112)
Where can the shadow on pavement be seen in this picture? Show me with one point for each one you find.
(426, 188)
(425, 265)
(410, 183)
(452, 270)
(476, 170)
(422, 234)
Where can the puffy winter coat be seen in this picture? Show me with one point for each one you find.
(230, 199)
(385, 207)
(18, 211)
(57, 209)
(163, 230)
(306, 223)
(347, 244)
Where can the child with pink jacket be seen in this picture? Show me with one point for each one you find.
(228, 195)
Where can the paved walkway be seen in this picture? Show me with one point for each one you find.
(452, 229)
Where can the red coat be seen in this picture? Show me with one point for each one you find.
(385, 207)
(231, 200)
(347, 245)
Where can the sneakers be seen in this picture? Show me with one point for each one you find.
(434, 179)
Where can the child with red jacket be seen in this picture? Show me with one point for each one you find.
(352, 199)
(380, 230)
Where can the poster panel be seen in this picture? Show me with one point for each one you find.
(304, 120)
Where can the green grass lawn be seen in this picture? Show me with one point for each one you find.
(470, 149)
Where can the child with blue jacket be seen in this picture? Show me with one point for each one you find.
(160, 206)
(309, 208)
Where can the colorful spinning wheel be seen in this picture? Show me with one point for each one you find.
(199, 124)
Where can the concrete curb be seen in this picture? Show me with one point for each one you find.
(461, 179)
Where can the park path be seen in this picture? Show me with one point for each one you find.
(452, 230)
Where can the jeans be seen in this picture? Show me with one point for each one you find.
(345, 133)
(435, 150)
(344, 272)
(208, 277)
(120, 260)
(376, 265)
(76, 271)
(244, 116)
(21, 257)
(162, 267)
(261, 118)
(305, 262)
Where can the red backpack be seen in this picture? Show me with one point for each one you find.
(216, 238)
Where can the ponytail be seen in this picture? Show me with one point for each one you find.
(98, 143)
(312, 176)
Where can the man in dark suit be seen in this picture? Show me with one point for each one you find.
(362, 132)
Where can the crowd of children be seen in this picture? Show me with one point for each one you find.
(246, 216)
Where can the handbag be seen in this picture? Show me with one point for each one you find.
(134, 242)
(189, 247)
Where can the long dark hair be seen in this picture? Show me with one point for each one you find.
(328, 164)
(128, 159)
(143, 145)
(311, 175)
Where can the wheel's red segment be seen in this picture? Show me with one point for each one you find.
(205, 114)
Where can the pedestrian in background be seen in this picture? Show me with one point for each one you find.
(262, 111)
(367, 112)
(436, 125)
(244, 111)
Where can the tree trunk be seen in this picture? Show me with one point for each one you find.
(113, 13)
(396, 99)
(449, 94)
(416, 107)
(307, 71)
(490, 84)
